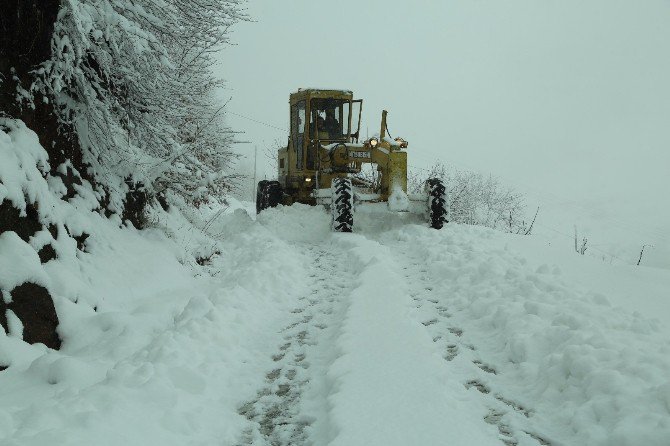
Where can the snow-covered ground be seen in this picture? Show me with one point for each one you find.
(217, 328)
(396, 334)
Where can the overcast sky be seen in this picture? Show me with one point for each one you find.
(568, 100)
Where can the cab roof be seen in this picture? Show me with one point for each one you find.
(304, 93)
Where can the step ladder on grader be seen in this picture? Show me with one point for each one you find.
(324, 160)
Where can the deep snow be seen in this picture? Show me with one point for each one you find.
(394, 335)
(299, 336)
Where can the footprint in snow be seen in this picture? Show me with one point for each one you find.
(517, 407)
(483, 388)
(273, 375)
(456, 331)
(494, 417)
(543, 441)
(452, 352)
(484, 367)
(430, 322)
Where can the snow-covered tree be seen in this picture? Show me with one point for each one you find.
(133, 79)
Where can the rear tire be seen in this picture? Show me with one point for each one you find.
(342, 205)
(268, 195)
(438, 205)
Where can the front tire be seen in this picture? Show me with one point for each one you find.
(438, 204)
(268, 195)
(342, 206)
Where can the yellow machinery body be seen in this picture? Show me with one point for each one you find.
(324, 145)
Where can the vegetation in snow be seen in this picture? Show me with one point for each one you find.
(133, 80)
(476, 199)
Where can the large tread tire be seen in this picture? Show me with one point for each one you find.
(260, 194)
(342, 206)
(268, 195)
(438, 204)
(274, 194)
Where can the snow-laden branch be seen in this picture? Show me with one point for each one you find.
(133, 78)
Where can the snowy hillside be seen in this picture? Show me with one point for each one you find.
(219, 329)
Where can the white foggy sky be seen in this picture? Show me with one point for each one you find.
(568, 100)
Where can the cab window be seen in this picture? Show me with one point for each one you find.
(330, 117)
(298, 130)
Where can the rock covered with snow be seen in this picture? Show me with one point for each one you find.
(27, 205)
(50, 218)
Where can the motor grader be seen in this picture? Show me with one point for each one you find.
(324, 161)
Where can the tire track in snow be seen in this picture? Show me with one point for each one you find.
(302, 357)
(447, 331)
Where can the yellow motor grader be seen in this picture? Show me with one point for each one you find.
(324, 161)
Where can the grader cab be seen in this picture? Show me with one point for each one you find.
(324, 161)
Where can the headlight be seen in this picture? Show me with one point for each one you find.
(373, 142)
(401, 142)
(308, 180)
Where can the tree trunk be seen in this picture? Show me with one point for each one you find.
(26, 30)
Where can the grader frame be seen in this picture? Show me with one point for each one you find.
(315, 156)
(324, 158)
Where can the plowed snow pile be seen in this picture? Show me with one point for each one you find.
(394, 335)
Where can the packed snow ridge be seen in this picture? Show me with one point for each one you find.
(215, 328)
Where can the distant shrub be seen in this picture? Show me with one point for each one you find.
(476, 199)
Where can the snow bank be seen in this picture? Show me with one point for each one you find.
(159, 326)
(19, 263)
(167, 364)
(297, 223)
(635, 289)
(594, 373)
(22, 163)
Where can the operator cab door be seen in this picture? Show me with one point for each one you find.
(330, 122)
(330, 119)
(298, 126)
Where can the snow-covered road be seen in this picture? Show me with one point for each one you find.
(394, 335)
(291, 404)
(361, 359)
(351, 365)
(413, 336)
